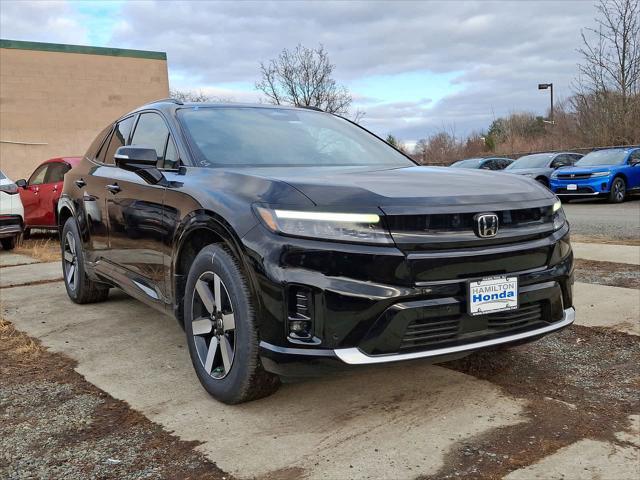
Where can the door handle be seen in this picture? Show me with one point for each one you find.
(80, 183)
(113, 188)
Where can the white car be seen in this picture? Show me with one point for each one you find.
(11, 213)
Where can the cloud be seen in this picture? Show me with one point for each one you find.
(475, 60)
(53, 21)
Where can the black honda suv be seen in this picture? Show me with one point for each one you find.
(288, 239)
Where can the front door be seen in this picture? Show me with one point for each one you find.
(134, 209)
(31, 195)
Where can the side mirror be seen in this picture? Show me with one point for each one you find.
(22, 183)
(140, 160)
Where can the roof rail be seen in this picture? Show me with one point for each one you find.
(169, 99)
(310, 107)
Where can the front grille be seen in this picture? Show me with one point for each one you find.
(423, 232)
(515, 318)
(456, 222)
(573, 176)
(586, 190)
(445, 331)
(425, 332)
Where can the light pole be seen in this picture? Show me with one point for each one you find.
(544, 86)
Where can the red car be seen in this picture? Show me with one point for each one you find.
(41, 192)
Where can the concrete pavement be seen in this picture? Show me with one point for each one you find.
(25, 274)
(602, 252)
(391, 422)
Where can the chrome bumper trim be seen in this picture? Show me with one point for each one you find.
(355, 356)
(580, 194)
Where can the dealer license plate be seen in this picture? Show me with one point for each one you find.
(493, 294)
(572, 186)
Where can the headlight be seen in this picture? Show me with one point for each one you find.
(554, 175)
(559, 218)
(600, 174)
(345, 227)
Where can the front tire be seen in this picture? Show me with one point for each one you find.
(79, 287)
(220, 325)
(618, 191)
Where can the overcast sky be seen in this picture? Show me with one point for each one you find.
(413, 67)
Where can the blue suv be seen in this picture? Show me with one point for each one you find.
(610, 173)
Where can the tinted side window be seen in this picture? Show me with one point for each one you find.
(38, 176)
(92, 152)
(575, 158)
(151, 132)
(171, 155)
(118, 139)
(634, 155)
(56, 172)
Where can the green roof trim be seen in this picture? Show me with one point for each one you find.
(62, 48)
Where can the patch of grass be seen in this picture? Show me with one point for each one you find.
(44, 247)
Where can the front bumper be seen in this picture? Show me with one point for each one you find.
(588, 187)
(355, 356)
(377, 304)
(10, 225)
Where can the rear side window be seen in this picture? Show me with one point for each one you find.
(118, 139)
(56, 172)
(151, 132)
(37, 178)
(92, 152)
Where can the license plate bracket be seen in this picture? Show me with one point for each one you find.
(492, 295)
(572, 186)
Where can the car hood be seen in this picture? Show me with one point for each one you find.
(405, 187)
(529, 171)
(583, 170)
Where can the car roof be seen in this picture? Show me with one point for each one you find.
(170, 105)
(73, 161)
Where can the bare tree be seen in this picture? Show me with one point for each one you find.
(611, 60)
(303, 77)
(196, 96)
(607, 100)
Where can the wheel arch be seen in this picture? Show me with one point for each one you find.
(64, 211)
(197, 230)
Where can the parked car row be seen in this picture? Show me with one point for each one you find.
(611, 173)
(32, 203)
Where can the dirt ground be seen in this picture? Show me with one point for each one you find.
(55, 424)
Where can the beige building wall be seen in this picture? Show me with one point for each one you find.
(54, 99)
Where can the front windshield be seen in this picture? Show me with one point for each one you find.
(254, 136)
(538, 160)
(602, 157)
(470, 163)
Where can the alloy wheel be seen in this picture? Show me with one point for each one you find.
(618, 190)
(213, 325)
(70, 261)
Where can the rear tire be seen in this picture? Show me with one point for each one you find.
(618, 190)
(80, 288)
(9, 243)
(220, 325)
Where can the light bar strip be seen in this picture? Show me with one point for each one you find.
(328, 216)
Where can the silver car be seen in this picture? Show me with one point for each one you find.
(540, 166)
